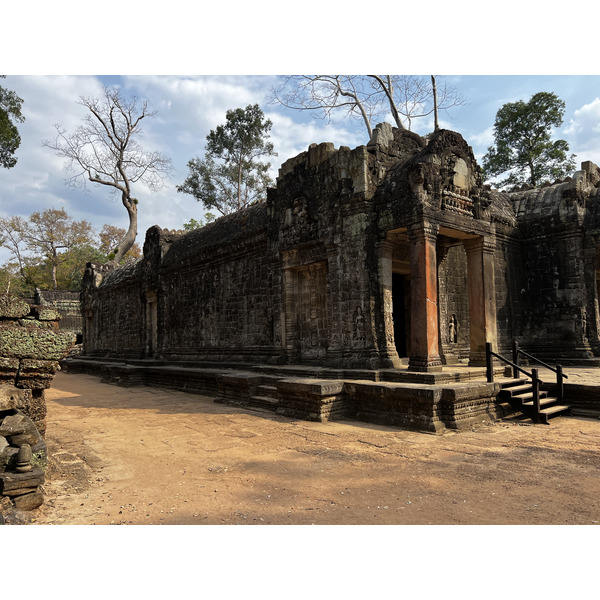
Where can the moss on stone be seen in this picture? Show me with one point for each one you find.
(12, 307)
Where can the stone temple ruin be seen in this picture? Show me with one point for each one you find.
(365, 277)
(31, 347)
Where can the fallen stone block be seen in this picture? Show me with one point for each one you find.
(15, 481)
(11, 397)
(29, 501)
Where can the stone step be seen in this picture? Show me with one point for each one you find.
(267, 390)
(264, 402)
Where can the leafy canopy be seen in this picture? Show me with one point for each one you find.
(10, 111)
(231, 176)
(523, 145)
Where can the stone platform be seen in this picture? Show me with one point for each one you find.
(452, 398)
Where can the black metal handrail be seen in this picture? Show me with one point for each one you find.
(535, 379)
(489, 366)
(517, 351)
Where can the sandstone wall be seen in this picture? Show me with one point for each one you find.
(560, 229)
(324, 272)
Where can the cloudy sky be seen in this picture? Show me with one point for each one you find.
(188, 107)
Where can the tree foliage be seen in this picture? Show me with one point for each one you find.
(53, 234)
(231, 176)
(105, 150)
(523, 145)
(50, 250)
(368, 98)
(10, 113)
(193, 224)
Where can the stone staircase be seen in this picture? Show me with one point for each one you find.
(519, 394)
(265, 395)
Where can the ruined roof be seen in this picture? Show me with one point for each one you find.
(222, 233)
(561, 199)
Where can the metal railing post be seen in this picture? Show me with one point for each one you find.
(560, 389)
(536, 395)
(489, 367)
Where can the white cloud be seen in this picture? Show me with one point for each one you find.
(583, 132)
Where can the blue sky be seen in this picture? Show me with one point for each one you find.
(190, 106)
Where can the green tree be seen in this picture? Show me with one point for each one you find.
(105, 151)
(230, 176)
(53, 235)
(193, 224)
(523, 145)
(10, 112)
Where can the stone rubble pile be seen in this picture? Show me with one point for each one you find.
(30, 350)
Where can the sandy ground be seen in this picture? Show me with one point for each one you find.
(152, 456)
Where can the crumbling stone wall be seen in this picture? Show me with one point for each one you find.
(30, 350)
(350, 243)
(560, 228)
(66, 304)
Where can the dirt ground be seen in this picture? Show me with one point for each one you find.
(153, 456)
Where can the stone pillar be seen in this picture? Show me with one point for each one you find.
(384, 261)
(424, 336)
(482, 297)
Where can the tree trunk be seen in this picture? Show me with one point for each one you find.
(389, 94)
(54, 262)
(127, 242)
(436, 124)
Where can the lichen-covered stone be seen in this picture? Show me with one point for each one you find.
(46, 314)
(12, 307)
(36, 374)
(26, 342)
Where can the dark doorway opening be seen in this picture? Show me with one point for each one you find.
(399, 290)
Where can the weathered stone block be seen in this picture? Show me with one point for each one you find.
(11, 397)
(40, 344)
(47, 314)
(36, 374)
(9, 368)
(12, 425)
(12, 307)
(15, 481)
(29, 501)
(19, 429)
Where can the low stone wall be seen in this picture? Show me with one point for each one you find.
(30, 350)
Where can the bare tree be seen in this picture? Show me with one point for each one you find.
(105, 151)
(367, 97)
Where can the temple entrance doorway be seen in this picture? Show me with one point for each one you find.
(401, 312)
